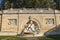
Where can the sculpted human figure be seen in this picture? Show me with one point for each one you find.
(31, 27)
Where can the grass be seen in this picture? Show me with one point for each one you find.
(11, 38)
(50, 37)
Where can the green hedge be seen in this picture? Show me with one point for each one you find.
(50, 37)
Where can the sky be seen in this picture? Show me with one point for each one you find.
(0, 1)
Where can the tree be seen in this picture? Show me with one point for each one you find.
(28, 4)
(57, 4)
(5, 4)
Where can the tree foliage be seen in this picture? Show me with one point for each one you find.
(27, 4)
(57, 4)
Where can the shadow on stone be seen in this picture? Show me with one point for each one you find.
(53, 31)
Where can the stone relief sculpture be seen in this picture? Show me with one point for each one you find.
(32, 27)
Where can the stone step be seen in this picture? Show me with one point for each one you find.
(8, 33)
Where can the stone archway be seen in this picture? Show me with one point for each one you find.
(33, 26)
